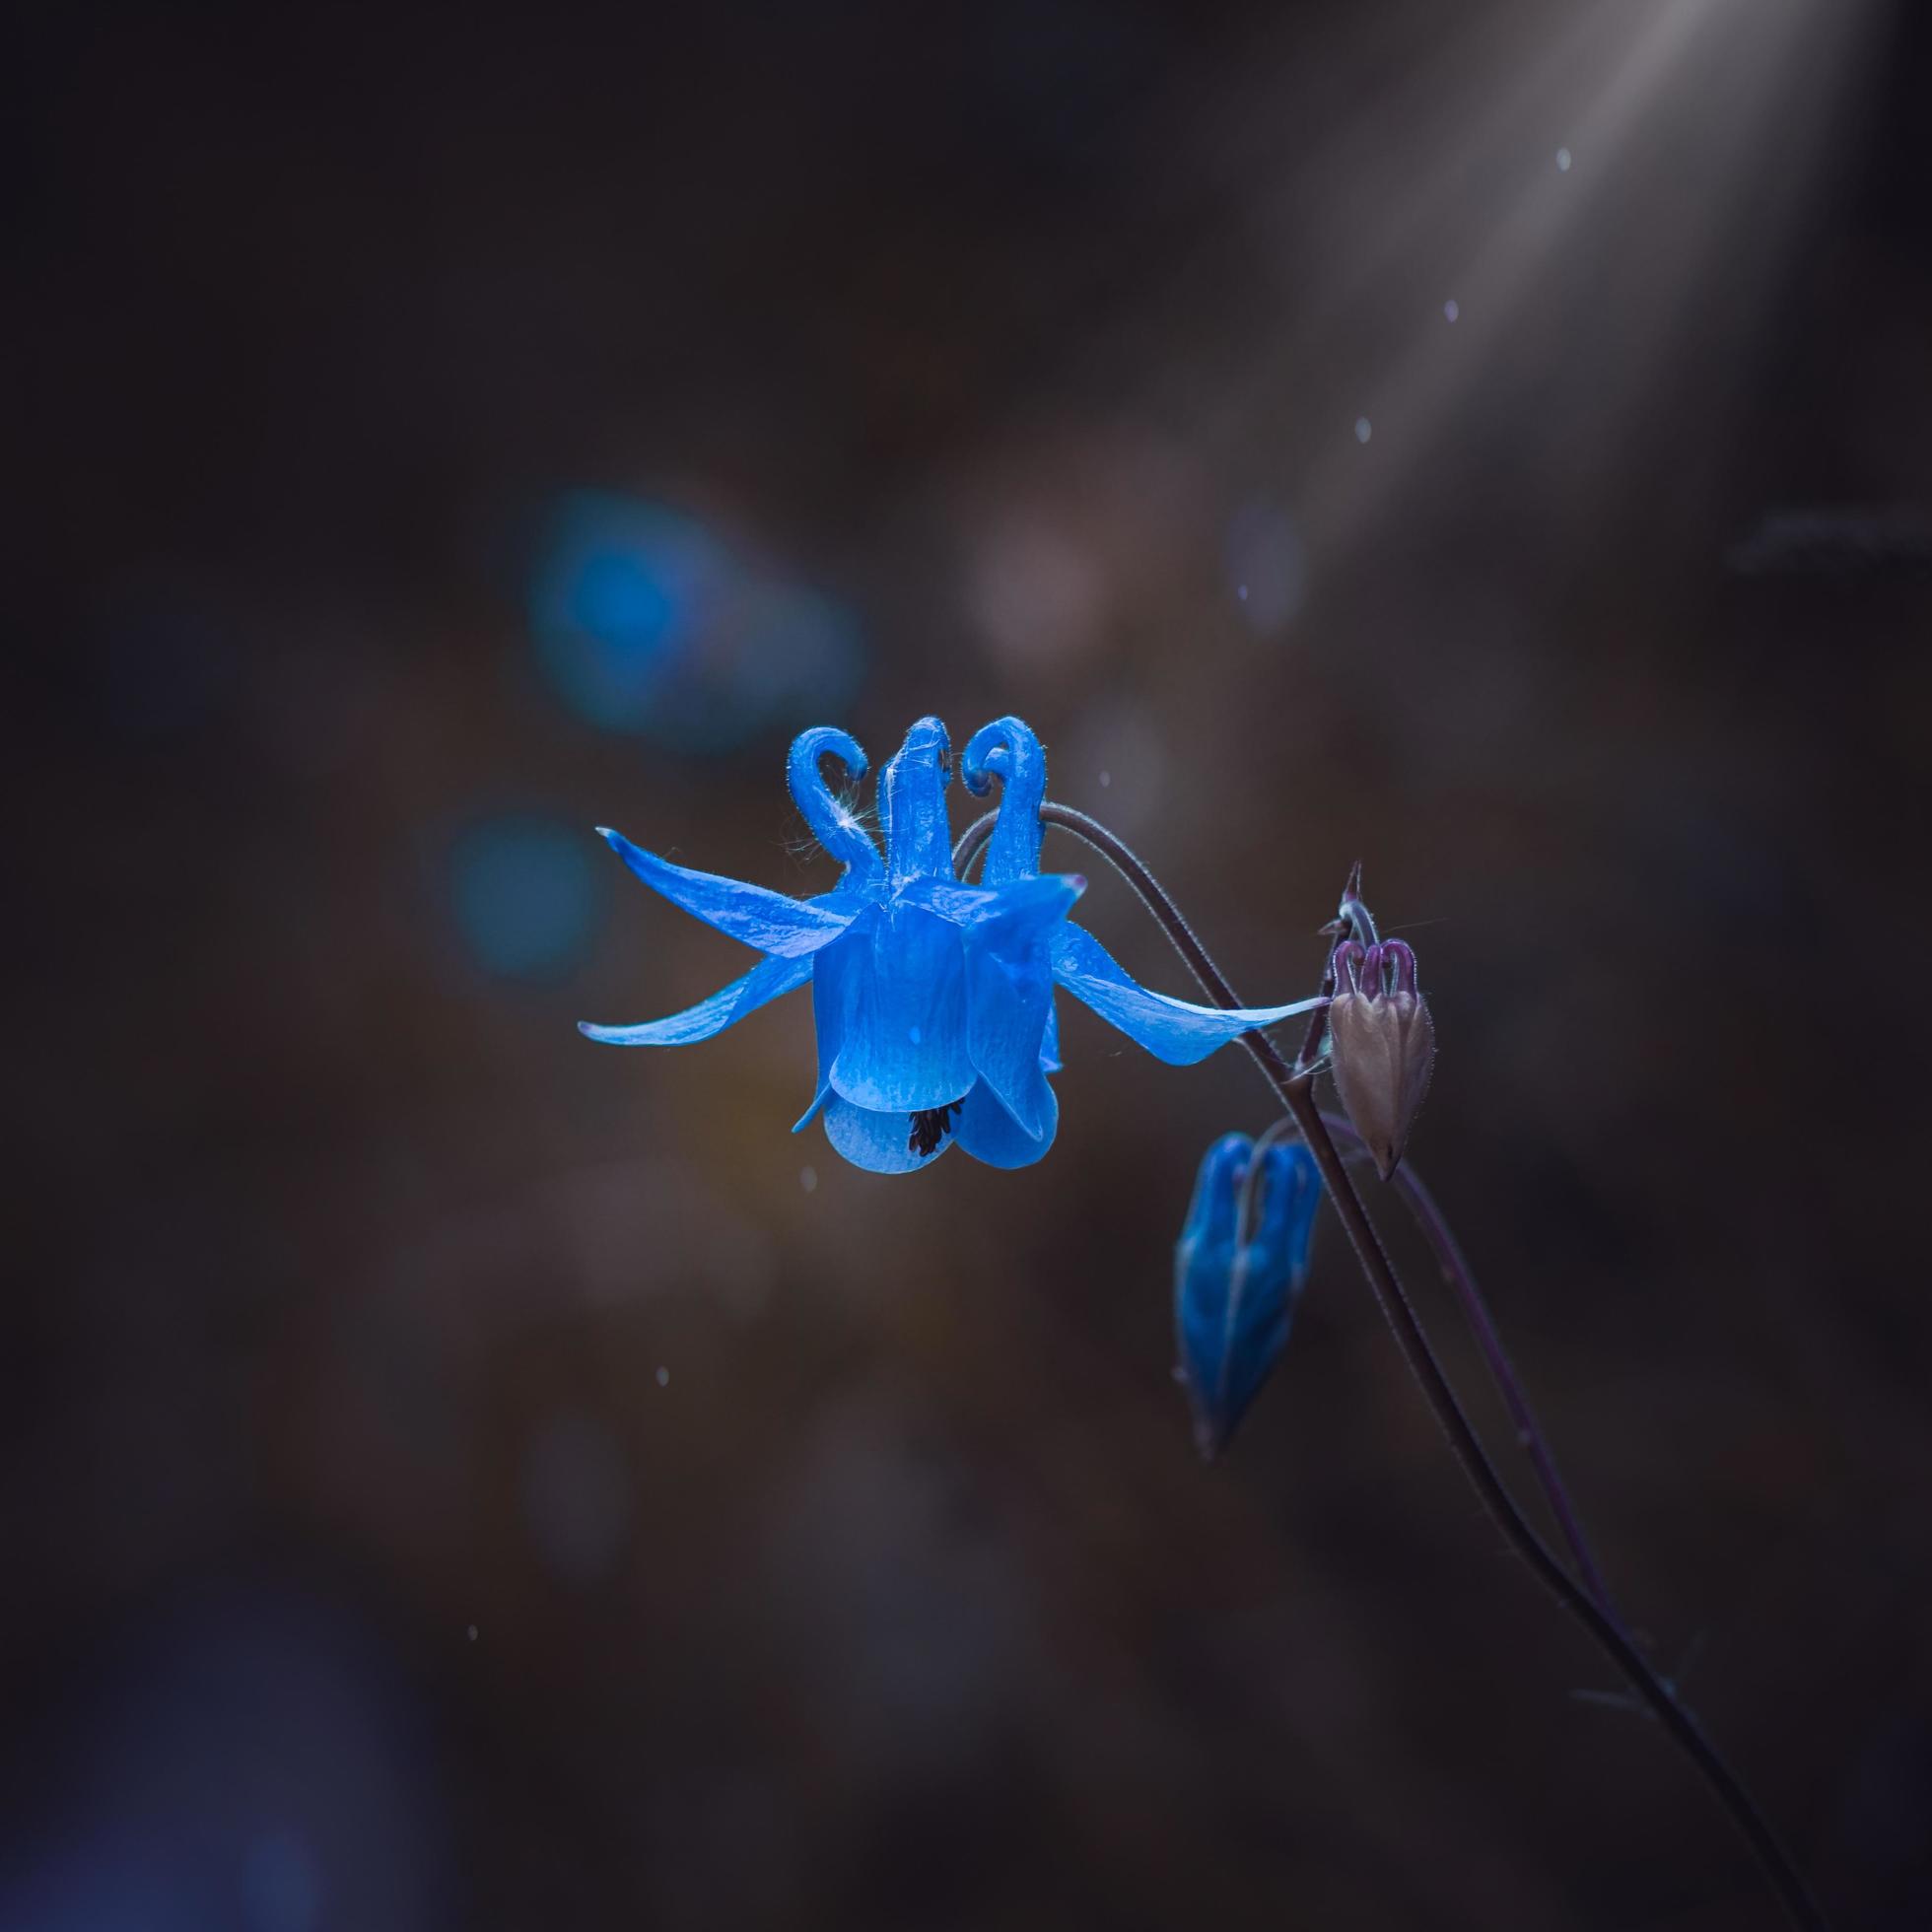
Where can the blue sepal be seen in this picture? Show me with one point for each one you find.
(785, 928)
(725, 1008)
(1174, 1030)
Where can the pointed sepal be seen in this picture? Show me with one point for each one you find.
(1174, 1030)
(725, 1008)
(785, 928)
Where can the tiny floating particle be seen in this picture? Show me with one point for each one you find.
(1363, 429)
(808, 1179)
(663, 1378)
(1451, 308)
(1562, 161)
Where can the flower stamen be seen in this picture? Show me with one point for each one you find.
(929, 1127)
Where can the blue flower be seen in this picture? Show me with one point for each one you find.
(1238, 1271)
(932, 1000)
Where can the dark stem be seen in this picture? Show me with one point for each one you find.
(1295, 1090)
(1456, 1271)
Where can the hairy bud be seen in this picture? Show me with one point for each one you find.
(1380, 1044)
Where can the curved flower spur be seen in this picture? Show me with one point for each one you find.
(932, 1000)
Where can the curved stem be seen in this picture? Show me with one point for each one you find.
(971, 842)
(1294, 1088)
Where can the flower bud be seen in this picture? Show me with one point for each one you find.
(1235, 1287)
(1381, 1045)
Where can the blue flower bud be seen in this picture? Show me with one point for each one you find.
(1238, 1271)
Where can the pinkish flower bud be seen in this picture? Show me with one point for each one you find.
(1380, 1044)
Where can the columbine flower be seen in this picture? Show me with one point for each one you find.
(1382, 1042)
(934, 1000)
(1235, 1285)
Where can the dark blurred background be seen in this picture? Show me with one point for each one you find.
(457, 1475)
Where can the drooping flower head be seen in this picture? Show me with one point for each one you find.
(932, 1000)
(1238, 1271)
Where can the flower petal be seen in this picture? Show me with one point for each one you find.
(988, 1132)
(879, 1143)
(785, 928)
(725, 1008)
(1174, 1030)
(912, 798)
(1009, 992)
(903, 1048)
